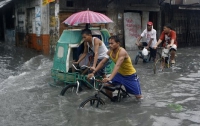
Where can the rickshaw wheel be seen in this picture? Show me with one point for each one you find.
(71, 88)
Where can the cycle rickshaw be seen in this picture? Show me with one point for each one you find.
(68, 48)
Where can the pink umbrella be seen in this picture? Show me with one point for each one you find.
(87, 17)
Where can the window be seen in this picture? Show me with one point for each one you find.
(70, 3)
(60, 52)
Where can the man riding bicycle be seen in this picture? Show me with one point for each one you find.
(123, 72)
(150, 34)
(169, 37)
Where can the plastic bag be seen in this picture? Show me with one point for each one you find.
(144, 52)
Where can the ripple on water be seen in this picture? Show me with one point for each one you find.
(193, 116)
(194, 75)
(161, 104)
(165, 121)
(186, 100)
(186, 79)
(182, 94)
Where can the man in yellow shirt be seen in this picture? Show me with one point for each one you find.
(123, 72)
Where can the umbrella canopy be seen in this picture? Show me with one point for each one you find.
(87, 17)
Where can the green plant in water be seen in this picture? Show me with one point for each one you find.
(176, 107)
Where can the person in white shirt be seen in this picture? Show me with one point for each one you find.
(150, 34)
(98, 49)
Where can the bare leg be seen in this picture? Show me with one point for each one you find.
(163, 63)
(73, 69)
(85, 72)
(138, 96)
(109, 93)
(172, 52)
(104, 76)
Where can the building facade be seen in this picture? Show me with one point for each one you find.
(38, 24)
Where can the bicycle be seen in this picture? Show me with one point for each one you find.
(81, 80)
(146, 58)
(96, 100)
(163, 61)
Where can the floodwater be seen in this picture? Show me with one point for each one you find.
(171, 98)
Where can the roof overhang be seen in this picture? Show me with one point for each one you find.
(4, 2)
(189, 8)
(194, 6)
(143, 7)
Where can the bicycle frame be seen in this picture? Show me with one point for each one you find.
(117, 87)
(96, 99)
(162, 61)
(166, 55)
(79, 77)
(83, 78)
(146, 58)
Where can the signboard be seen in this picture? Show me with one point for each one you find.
(132, 29)
(37, 20)
(45, 2)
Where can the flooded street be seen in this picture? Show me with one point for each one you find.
(171, 98)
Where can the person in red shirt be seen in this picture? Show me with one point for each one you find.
(168, 37)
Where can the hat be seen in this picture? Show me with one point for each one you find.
(149, 23)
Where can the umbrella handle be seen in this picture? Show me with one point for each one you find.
(87, 26)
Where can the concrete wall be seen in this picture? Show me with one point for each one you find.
(53, 25)
(45, 19)
(32, 20)
(22, 6)
(10, 36)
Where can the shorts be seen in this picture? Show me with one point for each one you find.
(174, 47)
(153, 52)
(130, 82)
(166, 51)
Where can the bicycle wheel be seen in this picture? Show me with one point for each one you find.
(92, 102)
(157, 65)
(136, 59)
(146, 59)
(70, 89)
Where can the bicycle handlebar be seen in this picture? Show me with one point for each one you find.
(82, 67)
(102, 86)
(75, 67)
(93, 78)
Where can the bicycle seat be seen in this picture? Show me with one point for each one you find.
(117, 87)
